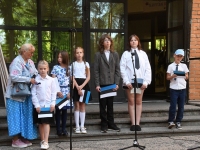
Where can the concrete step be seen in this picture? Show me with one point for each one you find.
(94, 124)
(123, 134)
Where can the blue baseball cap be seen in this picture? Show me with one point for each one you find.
(179, 52)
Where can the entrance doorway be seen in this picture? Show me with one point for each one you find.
(150, 24)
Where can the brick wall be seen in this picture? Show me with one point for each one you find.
(194, 79)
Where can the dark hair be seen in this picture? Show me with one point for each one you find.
(137, 38)
(65, 60)
(86, 68)
(101, 41)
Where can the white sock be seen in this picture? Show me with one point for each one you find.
(82, 118)
(76, 118)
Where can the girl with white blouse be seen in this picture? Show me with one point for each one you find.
(81, 74)
(143, 71)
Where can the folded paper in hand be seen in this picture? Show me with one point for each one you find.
(45, 113)
(85, 97)
(107, 91)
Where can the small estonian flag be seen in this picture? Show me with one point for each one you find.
(107, 91)
(179, 73)
(61, 102)
(85, 97)
(139, 82)
(45, 113)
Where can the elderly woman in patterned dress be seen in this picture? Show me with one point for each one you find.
(20, 109)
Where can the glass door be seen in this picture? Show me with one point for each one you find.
(110, 18)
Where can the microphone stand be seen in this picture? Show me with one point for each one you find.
(135, 85)
(71, 90)
(71, 95)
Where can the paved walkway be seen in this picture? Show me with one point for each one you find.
(157, 143)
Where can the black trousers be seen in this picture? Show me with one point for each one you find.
(107, 118)
(61, 114)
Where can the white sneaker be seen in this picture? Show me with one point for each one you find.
(44, 145)
(41, 142)
(77, 130)
(171, 125)
(83, 130)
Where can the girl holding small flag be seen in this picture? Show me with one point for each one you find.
(107, 73)
(44, 96)
(61, 71)
(142, 67)
(81, 96)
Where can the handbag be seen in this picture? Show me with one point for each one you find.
(20, 89)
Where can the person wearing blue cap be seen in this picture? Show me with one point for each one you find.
(177, 73)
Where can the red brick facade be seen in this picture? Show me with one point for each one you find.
(194, 79)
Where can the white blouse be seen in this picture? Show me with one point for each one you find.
(126, 67)
(79, 69)
(44, 92)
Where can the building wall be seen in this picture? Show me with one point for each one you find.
(194, 79)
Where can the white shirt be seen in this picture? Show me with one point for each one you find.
(107, 53)
(179, 83)
(79, 69)
(126, 67)
(44, 94)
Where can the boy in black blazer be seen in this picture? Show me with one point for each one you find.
(107, 72)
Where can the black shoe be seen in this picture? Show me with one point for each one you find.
(64, 133)
(59, 133)
(113, 128)
(104, 130)
(138, 128)
(132, 128)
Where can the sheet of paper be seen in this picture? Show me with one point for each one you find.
(138, 90)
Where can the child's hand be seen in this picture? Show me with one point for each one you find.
(143, 87)
(115, 89)
(80, 93)
(38, 109)
(79, 88)
(173, 76)
(98, 89)
(52, 108)
(60, 95)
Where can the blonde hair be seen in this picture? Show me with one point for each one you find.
(25, 47)
(43, 62)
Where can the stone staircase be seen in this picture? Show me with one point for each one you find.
(153, 123)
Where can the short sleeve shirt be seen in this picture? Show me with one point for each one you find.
(79, 69)
(179, 83)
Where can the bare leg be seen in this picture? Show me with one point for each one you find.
(131, 107)
(41, 130)
(46, 132)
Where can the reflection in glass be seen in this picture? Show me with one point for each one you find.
(61, 13)
(53, 42)
(18, 13)
(12, 41)
(118, 40)
(160, 64)
(174, 42)
(175, 13)
(104, 15)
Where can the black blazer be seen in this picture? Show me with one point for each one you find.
(106, 72)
